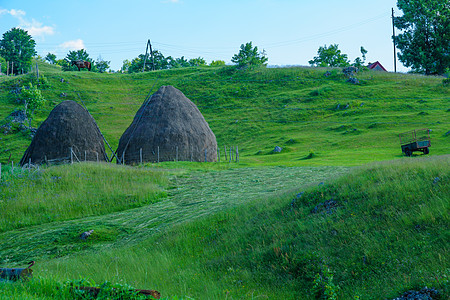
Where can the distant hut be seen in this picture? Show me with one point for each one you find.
(68, 126)
(167, 127)
(376, 66)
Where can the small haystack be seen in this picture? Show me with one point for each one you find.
(168, 127)
(68, 126)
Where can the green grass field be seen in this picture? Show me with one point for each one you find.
(340, 213)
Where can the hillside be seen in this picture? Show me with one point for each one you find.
(340, 213)
(299, 109)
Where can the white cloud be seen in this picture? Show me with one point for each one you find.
(72, 45)
(35, 29)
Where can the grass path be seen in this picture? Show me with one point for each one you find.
(194, 194)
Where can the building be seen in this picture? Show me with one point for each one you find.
(376, 66)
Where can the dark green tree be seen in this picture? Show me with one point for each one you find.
(330, 57)
(197, 62)
(249, 56)
(17, 47)
(51, 58)
(217, 63)
(424, 40)
(32, 100)
(177, 62)
(159, 62)
(101, 65)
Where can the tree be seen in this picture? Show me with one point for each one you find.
(197, 62)
(424, 40)
(249, 56)
(217, 63)
(32, 100)
(330, 57)
(359, 62)
(160, 63)
(101, 65)
(177, 62)
(17, 47)
(51, 58)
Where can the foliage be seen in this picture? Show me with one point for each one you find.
(101, 65)
(360, 62)
(158, 62)
(323, 286)
(18, 47)
(32, 100)
(249, 56)
(197, 62)
(217, 63)
(424, 40)
(330, 57)
(181, 62)
(50, 58)
(3, 68)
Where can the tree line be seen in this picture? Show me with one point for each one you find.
(423, 42)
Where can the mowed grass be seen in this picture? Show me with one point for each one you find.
(387, 232)
(58, 193)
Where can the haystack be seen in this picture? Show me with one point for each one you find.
(168, 127)
(68, 126)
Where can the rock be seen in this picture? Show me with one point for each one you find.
(18, 116)
(423, 294)
(86, 234)
(277, 149)
(350, 71)
(353, 80)
(328, 207)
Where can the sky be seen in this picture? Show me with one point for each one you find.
(289, 31)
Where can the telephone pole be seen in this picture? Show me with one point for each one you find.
(147, 48)
(393, 38)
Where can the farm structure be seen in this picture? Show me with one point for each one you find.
(415, 140)
(377, 66)
(68, 132)
(167, 126)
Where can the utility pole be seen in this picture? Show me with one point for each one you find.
(393, 38)
(147, 48)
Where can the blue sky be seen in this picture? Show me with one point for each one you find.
(290, 31)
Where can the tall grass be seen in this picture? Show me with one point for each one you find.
(73, 191)
(386, 232)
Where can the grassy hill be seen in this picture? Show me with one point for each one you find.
(299, 109)
(340, 212)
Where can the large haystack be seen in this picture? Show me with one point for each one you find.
(171, 123)
(68, 126)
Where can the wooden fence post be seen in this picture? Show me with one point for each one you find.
(29, 164)
(230, 155)
(97, 155)
(225, 147)
(176, 159)
(84, 155)
(140, 154)
(237, 154)
(158, 154)
(71, 156)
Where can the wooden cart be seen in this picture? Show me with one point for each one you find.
(415, 140)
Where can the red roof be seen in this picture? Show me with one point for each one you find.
(377, 66)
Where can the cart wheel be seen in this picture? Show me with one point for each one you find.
(408, 152)
(426, 150)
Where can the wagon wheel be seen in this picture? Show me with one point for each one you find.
(426, 150)
(408, 152)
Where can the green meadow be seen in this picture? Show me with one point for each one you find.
(339, 213)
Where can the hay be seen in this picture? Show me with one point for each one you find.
(171, 123)
(68, 125)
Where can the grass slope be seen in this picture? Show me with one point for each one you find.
(385, 232)
(299, 109)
